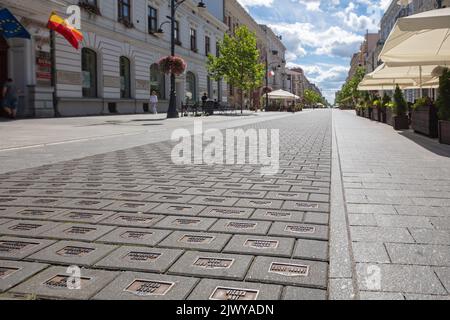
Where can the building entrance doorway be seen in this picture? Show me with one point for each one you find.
(3, 60)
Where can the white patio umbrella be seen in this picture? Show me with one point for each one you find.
(368, 84)
(421, 39)
(284, 95)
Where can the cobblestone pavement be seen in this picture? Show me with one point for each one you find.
(143, 228)
(397, 197)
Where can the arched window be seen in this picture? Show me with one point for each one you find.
(89, 73)
(125, 78)
(157, 81)
(191, 89)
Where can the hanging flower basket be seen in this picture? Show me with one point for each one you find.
(172, 64)
(266, 90)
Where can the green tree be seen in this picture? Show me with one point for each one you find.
(238, 62)
(399, 102)
(312, 97)
(443, 102)
(349, 91)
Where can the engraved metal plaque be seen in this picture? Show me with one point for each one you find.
(300, 229)
(136, 235)
(81, 215)
(12, 246)
(179, 208)
(307, 205)
(227, 211)
(278, 214)
(149, 288)
(289, 269)
(60, 282)
(5, 272)
(213, 263)
(226, 293)
(186, 222)
(44, 201)
(242, 225)
(217, 200)
(261, 203)
(87, 203)
(196, 239)
(25, 227)
(141, 256)
(79, 230)
(72, 251)
(34, 212)
(134, 219)
(261, 244)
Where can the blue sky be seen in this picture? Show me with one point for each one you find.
(320, 35)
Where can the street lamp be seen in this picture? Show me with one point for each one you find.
(174, 5)
(267, 79)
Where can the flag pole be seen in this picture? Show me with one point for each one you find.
(53, 66)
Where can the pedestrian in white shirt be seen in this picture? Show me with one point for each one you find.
(154, 102)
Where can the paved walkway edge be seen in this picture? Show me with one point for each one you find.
(342, 284)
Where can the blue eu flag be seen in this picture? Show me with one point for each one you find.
(10, 27)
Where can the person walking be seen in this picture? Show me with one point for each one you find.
(9, 102)
(154, 102)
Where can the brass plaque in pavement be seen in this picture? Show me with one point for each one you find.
(134, 219)
(278, 214)
(226, 293)
(179, 208)
(131, 205)
(79, 230)
(87, 203)
(261, 244)
(71, 251)
(25, 227)
(11, 246)
(141, 256)
(149, 288)
(218, 200)
(242, 225)
(33, 212)
(60, 282)
(213, 263)
(5, 272)
(307, 205)
(300, 229)
(289, 269)
(227, 211)
(261, 203)
(185, 222)
(187, 238)
(44, 201)
(136, 235)
(81, 215)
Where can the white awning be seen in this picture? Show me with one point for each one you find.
(281, 94)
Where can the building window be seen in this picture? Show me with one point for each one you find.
(152, 20)
(177, 32)
(125, 11)
(193, 39)
(209, 86)
(89, 73)
(207, 45)
(217, 49)
(157, 81)
(191, 88)
(125, 78)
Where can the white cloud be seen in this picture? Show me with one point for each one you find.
(256, 3)
(311, 5)
(359, 22)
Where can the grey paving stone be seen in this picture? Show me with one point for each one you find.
(369, 295)
(36, 202)
(304, 294)
(29, 213)
(370, 252)
(80, 232)
(227, 212)
(400, 221)
(299, 230)
(380, 234)
(52, 283)
(165, 189)
(204, 191)
(146, 286)
(413, 254)
(232, 185)
(14, 272)
(254, 194)
(306, 206)
(131, 206)
(292, 196)
(311, 249)
(178, 209)
(341, 289)
(310, 189)
(202, 184)
(441, 223)
(186, 223)
(140, 259)
(444, 275)
(317, 217)
(214, 201)
(3, 221)
(84, 216)
(87, 203)
(278, 215)
(371, 208)
(260, 203)
(15, 248)
(259, 245)
(27, 228)
(137, 220)
(412, 296)
(212, 265)
(398, 278)
(233, 290)
(289, 272)
(171, 198)
(72, 253)
(196, 241)
(138, 236)
(241, 226)
(428, 236)
(271, 187)
(362, 219)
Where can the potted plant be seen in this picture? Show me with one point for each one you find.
(384, 107)
(400, 120)
(376, 111)
(443, 105)
(172, 64)
(424, 117)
